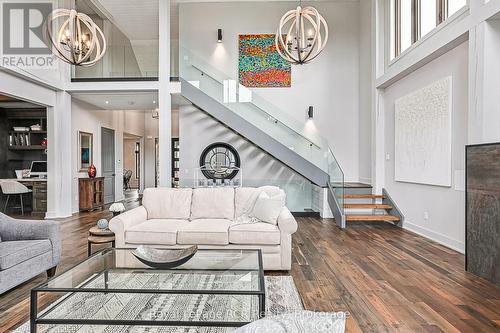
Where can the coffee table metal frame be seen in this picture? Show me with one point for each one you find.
(43, 288)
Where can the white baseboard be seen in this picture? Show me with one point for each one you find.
(52, 215)
(435, 236)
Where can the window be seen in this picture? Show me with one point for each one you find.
(137, 160)
(406, 26)
(413, 19)
(428, 16)
(455, 5)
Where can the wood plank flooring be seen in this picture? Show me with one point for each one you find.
(388, 279)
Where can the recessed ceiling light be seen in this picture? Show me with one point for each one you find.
(154, 102)
(107, 102)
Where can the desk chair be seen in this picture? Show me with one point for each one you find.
(127, 175)
(11, 187)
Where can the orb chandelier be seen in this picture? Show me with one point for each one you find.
(78, 41)
(302, 35)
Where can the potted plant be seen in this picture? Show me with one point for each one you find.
(116, 208)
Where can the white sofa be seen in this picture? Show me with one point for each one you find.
(209, 218)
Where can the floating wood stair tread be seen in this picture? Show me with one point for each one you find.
(356, 185)
(363, 196)
(368, 206)
(372, 218)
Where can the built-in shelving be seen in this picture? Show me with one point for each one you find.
(27, 140)
(175, 162)
(18, 156)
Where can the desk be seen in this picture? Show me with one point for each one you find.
(39, 188)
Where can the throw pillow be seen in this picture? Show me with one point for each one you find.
(267, 209)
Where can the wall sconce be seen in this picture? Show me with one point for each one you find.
(219, 35)
(310, 112)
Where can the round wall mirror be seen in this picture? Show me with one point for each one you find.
(220, 161)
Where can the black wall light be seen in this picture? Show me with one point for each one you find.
(219, 35)
(310, 112)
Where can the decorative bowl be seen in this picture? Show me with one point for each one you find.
(164, 258)
(102, 224)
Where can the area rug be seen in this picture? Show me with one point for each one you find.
(281, 297)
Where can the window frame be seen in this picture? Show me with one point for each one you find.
(442, 15)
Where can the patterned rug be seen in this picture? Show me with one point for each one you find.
(281, 297)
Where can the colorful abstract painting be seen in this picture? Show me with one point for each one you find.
(260, 65)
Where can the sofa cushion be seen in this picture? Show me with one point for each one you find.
(167, 203)
(267, 209)
(273, 191)
(244, 200)
(212, 203)
(155, 231)
(15, 252)
(205, 232)
(259, 233)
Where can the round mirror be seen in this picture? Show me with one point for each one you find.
(220, 161)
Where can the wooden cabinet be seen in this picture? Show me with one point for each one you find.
(482, 212)
(91, 193)
(39, 197)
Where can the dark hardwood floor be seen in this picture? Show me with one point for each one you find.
(387, 278)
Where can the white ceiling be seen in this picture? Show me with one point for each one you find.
(137, 19)
(120, 101)
(127, 101)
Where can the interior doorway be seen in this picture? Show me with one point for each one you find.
(108, 163)
(132, 164)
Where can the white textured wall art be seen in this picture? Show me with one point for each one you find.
(423, 132)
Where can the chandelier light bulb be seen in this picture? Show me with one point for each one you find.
(302, 35)
(78, 41)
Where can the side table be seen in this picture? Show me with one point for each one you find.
(99, 236)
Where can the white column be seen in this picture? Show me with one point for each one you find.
(59, 191)
(378, 145)
(379, 58)
(484, 80)
(165, 103)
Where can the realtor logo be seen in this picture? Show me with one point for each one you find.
(23, 42)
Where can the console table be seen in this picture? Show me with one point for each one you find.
(91, 193)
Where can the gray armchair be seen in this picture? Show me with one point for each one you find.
(27, 248)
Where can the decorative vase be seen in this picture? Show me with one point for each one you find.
(102, 224)
(92, 171)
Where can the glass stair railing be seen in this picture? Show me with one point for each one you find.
(303, 141)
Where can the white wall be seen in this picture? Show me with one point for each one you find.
(330, 83)
(150, 133)
(197, 130)
(88, 118)
(484, 115)
(365, 92)
(120, 58)
(444, 205)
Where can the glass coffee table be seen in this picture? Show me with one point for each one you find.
(215, 288)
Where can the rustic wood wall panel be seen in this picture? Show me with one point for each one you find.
(483, 211)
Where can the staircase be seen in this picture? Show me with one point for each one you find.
(266, 126)
(360, 205)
